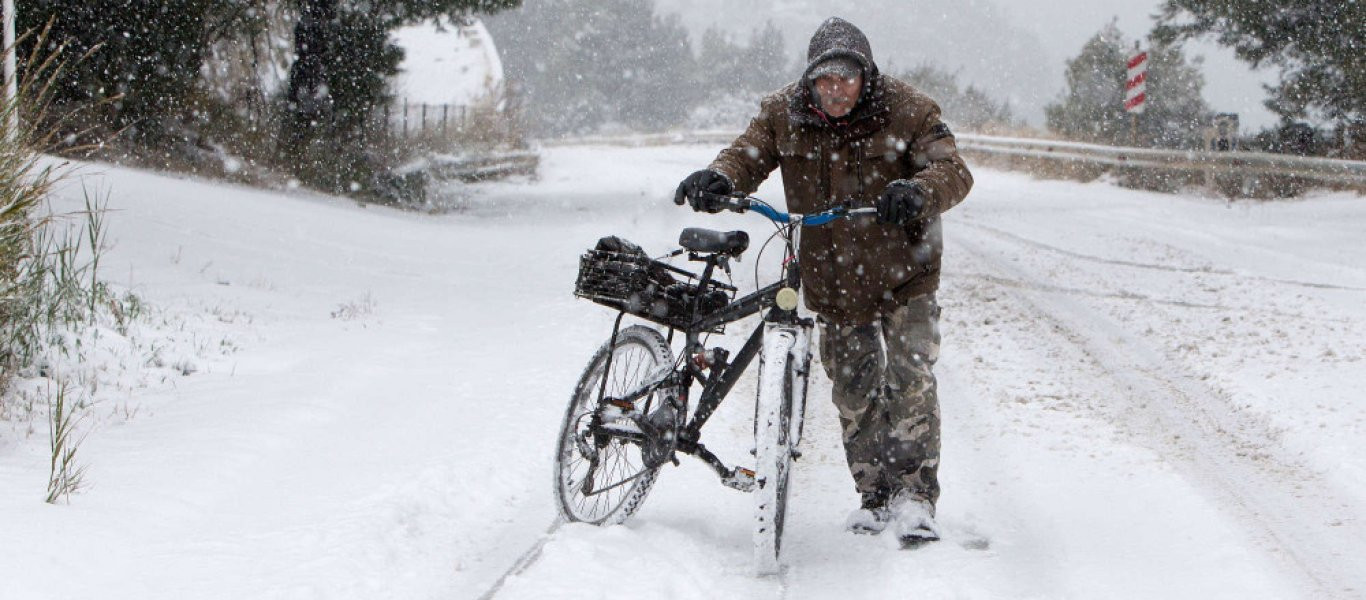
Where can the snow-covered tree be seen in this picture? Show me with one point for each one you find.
(343, 56)
(1092, 107)
(131, 66)
(1319, 46)
(970, 108)
(585, 65)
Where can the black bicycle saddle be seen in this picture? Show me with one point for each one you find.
(698, 239)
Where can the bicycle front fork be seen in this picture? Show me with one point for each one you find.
(794, 339)
(799, 371)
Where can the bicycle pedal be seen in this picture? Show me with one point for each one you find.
(741, 479)
(796, 454)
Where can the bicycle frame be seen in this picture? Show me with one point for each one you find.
(719, 374)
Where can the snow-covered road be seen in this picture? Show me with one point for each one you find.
(1143, 396)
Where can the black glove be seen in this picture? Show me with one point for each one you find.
(903, 202)
(705, 180)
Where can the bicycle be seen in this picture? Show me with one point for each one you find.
(628, 415)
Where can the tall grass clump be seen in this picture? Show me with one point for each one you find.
(25, 182)
(49, 266)
(65, 474)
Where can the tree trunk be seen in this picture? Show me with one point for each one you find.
(310, 103)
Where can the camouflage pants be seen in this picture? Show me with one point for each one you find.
(885, 392)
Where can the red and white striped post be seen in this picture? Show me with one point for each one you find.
(1136, 89)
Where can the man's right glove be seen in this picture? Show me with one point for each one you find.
(902, 202)
(705, 180)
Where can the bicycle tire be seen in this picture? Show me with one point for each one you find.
(622, 476)
(799, 371)
(773, 452)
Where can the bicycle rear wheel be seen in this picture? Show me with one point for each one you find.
(603, 479)
(772, 448)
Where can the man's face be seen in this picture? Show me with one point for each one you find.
(838, 94)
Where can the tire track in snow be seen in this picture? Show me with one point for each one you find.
(1128, 295)
(1306, 524)
(523, 562)
(1156, 267)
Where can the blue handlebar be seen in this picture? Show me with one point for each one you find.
(741, 203)
(812, 220)
(770, 212)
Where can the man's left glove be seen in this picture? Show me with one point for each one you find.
(903, 202)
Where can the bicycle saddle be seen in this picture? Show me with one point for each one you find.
(698, 239)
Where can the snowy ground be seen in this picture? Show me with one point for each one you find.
(1143, 395)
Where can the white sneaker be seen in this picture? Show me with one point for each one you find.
(912, 519)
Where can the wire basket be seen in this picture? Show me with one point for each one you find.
(646, 288)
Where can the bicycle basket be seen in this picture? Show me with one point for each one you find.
(645, 287)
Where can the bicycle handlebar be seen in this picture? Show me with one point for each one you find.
(740, 203)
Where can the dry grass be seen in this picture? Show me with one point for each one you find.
(49, 268)
(65, 475)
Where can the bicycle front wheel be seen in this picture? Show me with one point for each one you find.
(772, 447)
(602, 479)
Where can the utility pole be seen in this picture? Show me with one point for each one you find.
(11, 76)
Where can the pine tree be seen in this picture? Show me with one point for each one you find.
(586, 64)
(133, 66)
(1319, 45)
(337, 87)
(970, 109)
(728, 68)
(1092, 107)
(720, 63)
(767, 65)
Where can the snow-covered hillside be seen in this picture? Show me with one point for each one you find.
(1143, 396)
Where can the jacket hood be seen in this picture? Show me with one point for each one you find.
(838, 38)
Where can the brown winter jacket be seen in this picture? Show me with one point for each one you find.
(854, 268)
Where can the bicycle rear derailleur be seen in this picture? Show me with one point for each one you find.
(655, 433)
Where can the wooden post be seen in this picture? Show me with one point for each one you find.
(11, 74)
(445, 117)
(405, 118)
(424, 117)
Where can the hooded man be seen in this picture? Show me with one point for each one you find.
(846, 135)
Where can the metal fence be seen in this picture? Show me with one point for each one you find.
(409, 119)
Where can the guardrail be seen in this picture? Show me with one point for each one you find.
(1346, 172)
(1349, 173)
(477, 167)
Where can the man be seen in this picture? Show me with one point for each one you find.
(846, 135)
